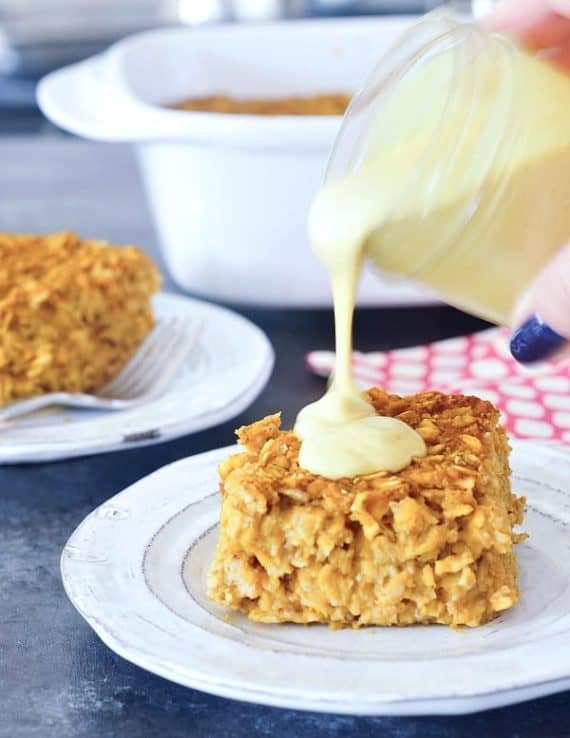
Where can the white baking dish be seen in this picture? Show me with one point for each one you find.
(229, 194)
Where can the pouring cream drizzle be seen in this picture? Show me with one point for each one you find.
(341, 434)
(449, 168)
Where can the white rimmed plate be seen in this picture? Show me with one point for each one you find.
(230, 366)
(135, 569)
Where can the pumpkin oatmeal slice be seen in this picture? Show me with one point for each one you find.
(433, 543)
(72, 312)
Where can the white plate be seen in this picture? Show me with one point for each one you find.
(135, 570)
(229, 368)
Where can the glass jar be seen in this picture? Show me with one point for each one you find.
(460, 146)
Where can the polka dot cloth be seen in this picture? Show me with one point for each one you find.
(535, 403)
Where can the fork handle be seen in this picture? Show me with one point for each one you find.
(31, 404)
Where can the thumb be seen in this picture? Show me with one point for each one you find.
(516, 15)
(561, 6)
(543, 315)
(523, 14)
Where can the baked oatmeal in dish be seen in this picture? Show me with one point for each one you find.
(325, 104)
(72, 312)
(432, 543)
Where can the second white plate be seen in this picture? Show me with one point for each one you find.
(230, 366)
(135, 569)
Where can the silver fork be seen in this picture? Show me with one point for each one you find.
(146, 376)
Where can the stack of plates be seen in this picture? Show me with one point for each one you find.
(136, 570)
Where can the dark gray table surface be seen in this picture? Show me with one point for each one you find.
(56, 677)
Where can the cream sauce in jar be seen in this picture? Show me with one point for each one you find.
(471, 200)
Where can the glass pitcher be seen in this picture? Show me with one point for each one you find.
(461, 143)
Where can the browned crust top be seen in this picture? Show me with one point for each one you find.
(458, 431)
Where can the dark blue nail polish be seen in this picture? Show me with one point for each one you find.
(535, 340)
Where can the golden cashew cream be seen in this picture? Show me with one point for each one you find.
(461, 181)
(341, 434)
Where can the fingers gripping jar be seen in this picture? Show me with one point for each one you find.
(454, 164)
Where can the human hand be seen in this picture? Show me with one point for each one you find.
(541, 25)
(543, 315)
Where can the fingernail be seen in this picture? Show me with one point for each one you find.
(535, 340)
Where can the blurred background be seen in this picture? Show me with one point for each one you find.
(37, 36)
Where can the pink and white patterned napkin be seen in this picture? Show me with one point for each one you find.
(535, 403)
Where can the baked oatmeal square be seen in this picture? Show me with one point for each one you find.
(433, 543)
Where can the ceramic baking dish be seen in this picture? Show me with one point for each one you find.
(229, 193)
